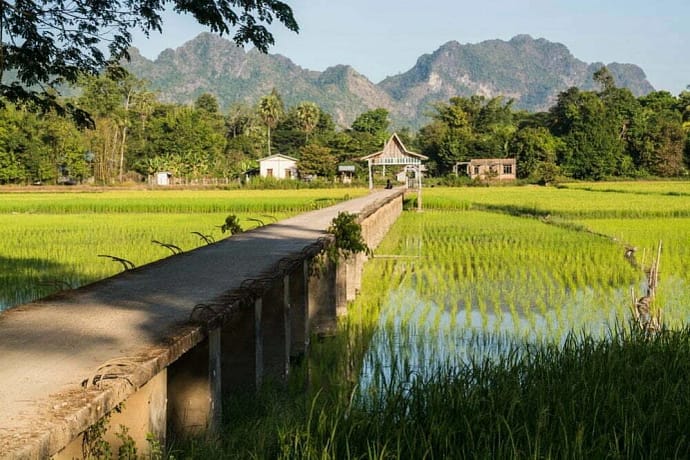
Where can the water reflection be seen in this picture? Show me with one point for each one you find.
(415, 335)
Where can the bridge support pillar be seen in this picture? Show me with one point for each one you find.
(341, 287)
(194, 388)
(355, 265)
(299, 317)
(322, 298)
(241, 359)
(275, 330)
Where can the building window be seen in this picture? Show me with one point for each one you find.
(476, 169)
(288, 173)
(507, 169)
(269, 172)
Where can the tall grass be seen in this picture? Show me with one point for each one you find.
(620, 396)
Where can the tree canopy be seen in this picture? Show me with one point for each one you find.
(47, 43)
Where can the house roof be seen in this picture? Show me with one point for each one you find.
(276, 156)
(395, 148)
(486, 161)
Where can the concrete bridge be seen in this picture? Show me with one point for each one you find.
(170, 338)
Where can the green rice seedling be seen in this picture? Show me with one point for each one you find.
(51, 241)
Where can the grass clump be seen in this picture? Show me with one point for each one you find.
(623, 396)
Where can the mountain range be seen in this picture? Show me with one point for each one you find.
(531, 71)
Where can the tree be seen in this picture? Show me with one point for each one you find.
(190, 142)
(47, 43)
(533, 149)
(270, 110)
(316, 160)
(604, 78)
(110, 98)
(658, 142)
(308, 116)
(592, 146)
(207, 102)
(374, 122)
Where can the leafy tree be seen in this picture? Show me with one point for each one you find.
(188, 140)
(207, 102)
(110, 99)
(239, 117)
(374, 122)
(533, 147)
(270, 111)
(369, 132)
(66, 147)
(684, 109)
(444, 145)
(592, 147)
(604, 78)
(48, 43)
(658, 142)
(317, 161)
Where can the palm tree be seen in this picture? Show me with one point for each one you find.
(308, 115)
(270, 110)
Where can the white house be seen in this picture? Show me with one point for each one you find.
(279, 166)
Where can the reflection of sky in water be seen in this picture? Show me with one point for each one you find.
(416, 336)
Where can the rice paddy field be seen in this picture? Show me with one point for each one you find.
(51, 241)
(495, 324)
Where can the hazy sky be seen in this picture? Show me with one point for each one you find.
(385, 37)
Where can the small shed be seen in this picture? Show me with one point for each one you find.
(163, 178)
(490, 168)
(346, 173)
(279, 166)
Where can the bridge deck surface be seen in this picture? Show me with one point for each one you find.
(48, 347)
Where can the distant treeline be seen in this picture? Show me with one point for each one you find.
(586, 135)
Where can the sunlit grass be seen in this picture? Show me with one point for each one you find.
(564, 202)
(51, 241)
(174, 201)
(498, 330)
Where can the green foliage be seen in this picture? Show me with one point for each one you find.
(316, 160)
(348, 240)
(207, 102)
(94, 446)
(232, 225)
(128, 448)
(592, 147)
(533, 148)
(46, 47)
(271, 110)
(308, 114)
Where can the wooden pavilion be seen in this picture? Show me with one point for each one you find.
(394, 153)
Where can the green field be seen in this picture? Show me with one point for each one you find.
(51, 241)
(495, 324)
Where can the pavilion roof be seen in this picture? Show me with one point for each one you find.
(395, 149)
